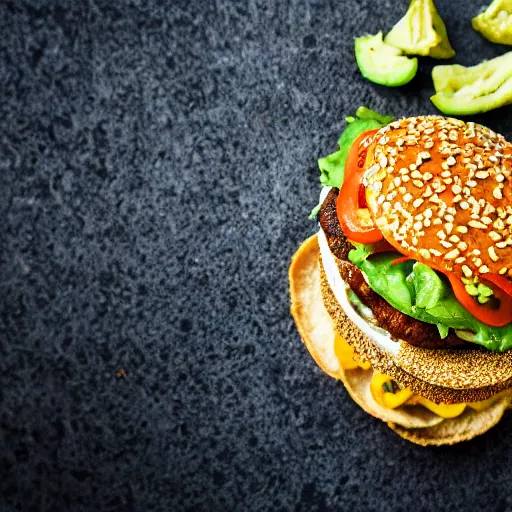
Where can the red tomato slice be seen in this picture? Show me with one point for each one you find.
(357, 155)
(351, 206)
(501, 282)
(400, 260)
(494, 317)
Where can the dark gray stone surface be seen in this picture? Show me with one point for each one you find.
(157, 165)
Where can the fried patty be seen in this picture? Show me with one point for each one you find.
(399, 325)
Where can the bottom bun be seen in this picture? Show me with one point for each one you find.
(316, 328)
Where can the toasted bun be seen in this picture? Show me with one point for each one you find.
(315, 322)
(440, 189)
(462, 428)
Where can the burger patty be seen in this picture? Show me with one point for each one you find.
(399, 325)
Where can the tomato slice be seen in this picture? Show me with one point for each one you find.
(400, 260)
(357, 155)
(351, 206)
(501, 282)
(494, 317)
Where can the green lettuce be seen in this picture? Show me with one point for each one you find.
(416, 290)
(332, 167)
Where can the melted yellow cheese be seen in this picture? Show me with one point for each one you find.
(386, 393)
(346, 355)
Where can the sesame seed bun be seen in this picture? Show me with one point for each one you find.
(440, 188)
(429, 373)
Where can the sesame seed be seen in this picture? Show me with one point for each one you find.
(462, 246)
(417, 202)
(484, 269)
(418, 183)
(453, 135)
(464, 205)
(454, 239)
(451, 161)
(428, 192)
(452, 254)
(499, 224)
(407, 198)
(467, 271)
(462, 229)
(476, 224)
(492, 254)
(449, 227)
(446, 244)
(497, 193)
(456, 189)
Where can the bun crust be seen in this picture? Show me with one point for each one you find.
(440, 188)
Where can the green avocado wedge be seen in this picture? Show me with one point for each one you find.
(463, 91)
(495, 23)
(383, 64)
(421, 32)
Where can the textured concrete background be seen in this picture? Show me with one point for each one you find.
(157, 165)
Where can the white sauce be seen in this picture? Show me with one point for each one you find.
(341, 289)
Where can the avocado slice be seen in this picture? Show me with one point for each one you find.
(470, 90)
(495, 23)
(421, 32)
(382, 63)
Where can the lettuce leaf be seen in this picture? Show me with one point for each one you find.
(332, 167)
(416, 290)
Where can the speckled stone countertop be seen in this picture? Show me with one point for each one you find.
(157, 166)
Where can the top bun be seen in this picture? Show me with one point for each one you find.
(440, 188)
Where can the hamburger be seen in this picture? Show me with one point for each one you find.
(405, 292)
